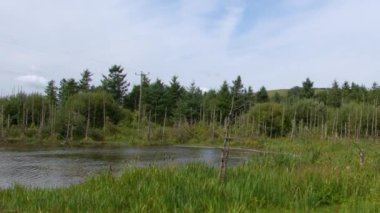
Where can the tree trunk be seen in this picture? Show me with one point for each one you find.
(367, 126)
(282, 121)
(376, 119)
(2, 124)
(68, 127)
(349, 125)
(226, 145)
(149, 127)
(213, 124)
(294, 124)
(271, 124)
(373, 121)
(88, 120)
(42, 122)
(164, 125)
(360, 123)
(9, 121)
(104, 115)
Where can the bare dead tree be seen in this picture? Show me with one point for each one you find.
(149, 125)
(104, 114)
(88, 120)
(361, 154)
(42, 121)
(367, 126)
(271, 123)
(226, 144)
(360, 123)
(2, 124)
(213, 123)
(164, 125)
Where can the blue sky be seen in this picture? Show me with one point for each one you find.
(275, 43)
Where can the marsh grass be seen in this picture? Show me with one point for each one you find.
(316, 177)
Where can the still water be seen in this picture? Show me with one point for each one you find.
(64, 166)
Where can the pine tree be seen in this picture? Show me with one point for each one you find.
(295, 93)
(262, 95)
(115, 83)
(346, 90)
(155, 101)
(224, 100)
(249, 97)
(307, 89)
(190, 104)
(84, 83)
(334, 95)
(51, 92)
(131, 100)
(67, 89)
(172, 95)
(237, 91)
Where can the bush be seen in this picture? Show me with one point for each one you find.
(96, 134)
(271, 119)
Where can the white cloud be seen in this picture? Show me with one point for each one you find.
(34, 81)
(195, 40)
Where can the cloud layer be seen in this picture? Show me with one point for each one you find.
(273, 43)
(33, 81)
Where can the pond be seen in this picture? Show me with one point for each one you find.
(46, 167)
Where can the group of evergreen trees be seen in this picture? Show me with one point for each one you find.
(79, 109)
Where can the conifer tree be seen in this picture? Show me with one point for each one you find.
(307, 89)
(51, 92)
(262, 95)
(84, 83)
(224, 100)
(115, 83)
(67, 89)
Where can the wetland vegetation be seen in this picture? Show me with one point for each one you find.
(317, 176)
(322, 149)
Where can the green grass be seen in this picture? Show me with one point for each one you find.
(281, 92)
(316, 177)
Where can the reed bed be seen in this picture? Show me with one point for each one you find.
(311, 176)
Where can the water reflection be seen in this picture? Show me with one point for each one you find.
(64, 166)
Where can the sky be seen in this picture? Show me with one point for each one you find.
(271, 43)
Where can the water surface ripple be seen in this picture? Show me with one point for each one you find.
(63, 166)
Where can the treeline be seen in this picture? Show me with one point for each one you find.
(77, 110)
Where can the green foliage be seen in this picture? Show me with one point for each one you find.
(84, 82)
(51, 92)
(173, 95)
(262, 95)
(67, 89)
(315, 177)
(224, 98)
(277, 98)
(96, 134)
(87, 107)
(295, 93)
(237, 92)
(115, 83)
(190, 106)
(131, 101)
(347, 111)
(307, 110)
(334, 95)
(271, 119)
(307, 89)
(155, 101)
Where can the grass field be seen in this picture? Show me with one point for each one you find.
(311, 176)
